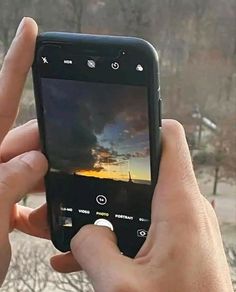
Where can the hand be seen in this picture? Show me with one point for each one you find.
(19, 174)
(183, 251)
(20, 140)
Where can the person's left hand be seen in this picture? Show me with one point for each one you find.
(21, 172)
(16, 176)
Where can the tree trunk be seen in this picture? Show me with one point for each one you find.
(79, 19)
(5, 41)
(78, 8)
(216, 179)
(199, 139)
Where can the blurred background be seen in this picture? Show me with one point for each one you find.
(196, 41)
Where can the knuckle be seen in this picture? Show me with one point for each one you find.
(7, 183)
(34, 162)
(24, 166)
(11, 176)
(5, 188)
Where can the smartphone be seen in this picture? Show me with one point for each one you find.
(98, 108)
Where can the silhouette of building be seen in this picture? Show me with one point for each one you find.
(130, 179)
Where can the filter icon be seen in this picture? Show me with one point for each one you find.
(91, 63)
(139, 68)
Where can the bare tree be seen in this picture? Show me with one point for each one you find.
(219, 154)
(11, 13)
(75, 10)
(136, 16)
(29, 271)
(75, 282)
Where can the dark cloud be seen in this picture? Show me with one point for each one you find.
(141, 154)
(105, 155)
(107, 101)
(69, 137)
(137, 154)
(75, 112)
(98, 168)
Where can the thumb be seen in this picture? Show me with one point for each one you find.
(177, 190)
(96, 251)
(176, 170)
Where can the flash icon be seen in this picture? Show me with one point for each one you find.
(45, 61)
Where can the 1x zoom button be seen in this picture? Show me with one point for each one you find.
(101, 199)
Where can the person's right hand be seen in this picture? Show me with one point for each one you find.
(183, 251)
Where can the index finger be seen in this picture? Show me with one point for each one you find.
(14, 72)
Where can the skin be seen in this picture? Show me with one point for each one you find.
(19, 174)
(183, 250)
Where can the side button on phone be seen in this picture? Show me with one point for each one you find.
(104, 222)
(160, 111)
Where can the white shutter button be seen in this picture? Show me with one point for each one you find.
(104, 222)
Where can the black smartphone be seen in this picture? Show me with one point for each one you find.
(98, 109)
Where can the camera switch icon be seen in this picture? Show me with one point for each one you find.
(142, 233)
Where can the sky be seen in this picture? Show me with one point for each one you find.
(97, 129)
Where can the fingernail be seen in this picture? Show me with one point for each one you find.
(20, 27)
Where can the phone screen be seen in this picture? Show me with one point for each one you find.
(97, 140)
(97, 130)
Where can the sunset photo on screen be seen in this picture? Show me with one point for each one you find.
(97, 130)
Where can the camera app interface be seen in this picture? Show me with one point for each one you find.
(96, 138)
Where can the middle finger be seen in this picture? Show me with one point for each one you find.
(20, 140)
(32, 221)
(14, 71)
